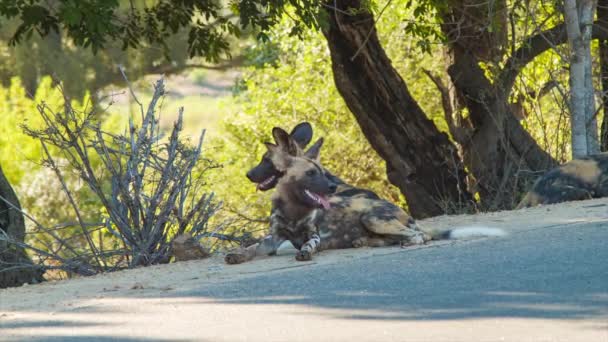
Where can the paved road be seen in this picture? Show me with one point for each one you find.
(548, 284)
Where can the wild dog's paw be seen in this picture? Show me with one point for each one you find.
(360, 242)
(304, 256)
(235, 258)
(417, 239)
(426, 237)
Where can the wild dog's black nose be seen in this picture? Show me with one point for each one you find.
(249, 174)
(332, 187)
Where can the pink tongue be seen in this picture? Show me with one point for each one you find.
(324, 202)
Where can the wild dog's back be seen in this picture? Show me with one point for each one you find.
(579, 179)
(357, 215)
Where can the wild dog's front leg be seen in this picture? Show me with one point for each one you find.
(309, 248)
(313, 239)
(240, 255)
(268, 246)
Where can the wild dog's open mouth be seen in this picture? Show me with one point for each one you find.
(268, 183)
(320, 199)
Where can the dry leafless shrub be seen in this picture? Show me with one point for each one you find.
(151, 188)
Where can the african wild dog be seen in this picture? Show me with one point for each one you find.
(355, 218)
(302, 191)
(578, 179)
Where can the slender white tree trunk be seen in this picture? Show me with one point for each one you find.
(586, 13)
(579, 20)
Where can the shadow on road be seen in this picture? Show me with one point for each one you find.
(560, 274)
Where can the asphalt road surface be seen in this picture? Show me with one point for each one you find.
(546, 284)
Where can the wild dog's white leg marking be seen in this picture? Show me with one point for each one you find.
(312, 244)
(309, 248)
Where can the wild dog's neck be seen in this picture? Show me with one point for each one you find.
(289, 205)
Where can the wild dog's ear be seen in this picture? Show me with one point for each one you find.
(302, 134)
(285, 142)
(279, 157)
(271, 147)
(314, 150)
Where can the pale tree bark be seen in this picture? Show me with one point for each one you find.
(579, 22)
(602, 26)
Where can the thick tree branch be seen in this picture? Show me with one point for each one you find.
(534, 46)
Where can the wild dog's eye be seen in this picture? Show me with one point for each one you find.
(311, 173)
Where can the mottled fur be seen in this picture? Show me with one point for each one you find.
(357, 217)
(579, 179)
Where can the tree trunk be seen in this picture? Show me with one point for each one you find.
(420, 160)
(602, 15)
(587, 14)
(579, 16)
(15, 266)
(497, 147)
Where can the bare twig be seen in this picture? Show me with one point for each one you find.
(72, 203)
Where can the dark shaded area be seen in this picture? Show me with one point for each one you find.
(36, 324)
(92, 338)
(45, 324)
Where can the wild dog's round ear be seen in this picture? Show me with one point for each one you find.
(314, 150)
(285, 142)
(302, 134)
(270, 146)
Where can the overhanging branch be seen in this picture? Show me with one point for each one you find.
(534, 46)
